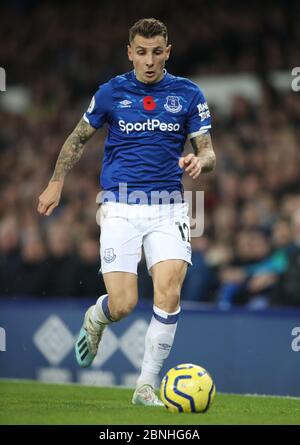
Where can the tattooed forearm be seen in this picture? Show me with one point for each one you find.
(203, 149)
(72, 149)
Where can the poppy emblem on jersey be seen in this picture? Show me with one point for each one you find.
(109, 255)
(173, 104)
(149, 103)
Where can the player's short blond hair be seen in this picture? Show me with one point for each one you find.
(148, 28)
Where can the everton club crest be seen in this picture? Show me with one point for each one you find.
(109, 255)
(172, 104)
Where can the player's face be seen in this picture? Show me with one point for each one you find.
(149, 57)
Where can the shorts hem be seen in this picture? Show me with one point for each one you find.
(119, 270)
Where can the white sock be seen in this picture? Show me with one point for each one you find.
(158, 343)
(100, 313)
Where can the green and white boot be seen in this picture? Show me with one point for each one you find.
(90, 334)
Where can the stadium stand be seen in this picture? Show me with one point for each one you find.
(249, 253)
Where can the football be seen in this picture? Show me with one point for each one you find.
(187, 388)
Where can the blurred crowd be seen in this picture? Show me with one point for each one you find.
(47, 45)
(250, 251)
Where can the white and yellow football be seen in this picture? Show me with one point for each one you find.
(187, 388)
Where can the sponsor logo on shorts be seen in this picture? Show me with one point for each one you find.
(109, 255)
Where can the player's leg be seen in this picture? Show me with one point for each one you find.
(167, 251)
(120, 253)
(168, 277)
(120, 300)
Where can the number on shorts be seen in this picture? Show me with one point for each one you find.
(184, 231)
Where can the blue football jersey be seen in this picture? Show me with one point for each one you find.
(147, 128)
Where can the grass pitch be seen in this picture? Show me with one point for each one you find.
(33, 403)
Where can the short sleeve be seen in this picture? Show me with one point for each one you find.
(100, 107)
(199, 120)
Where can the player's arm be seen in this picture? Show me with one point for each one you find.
(203, 160)
(69, 155)
(72, 149)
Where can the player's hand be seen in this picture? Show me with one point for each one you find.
(50, 198)
(191, 164)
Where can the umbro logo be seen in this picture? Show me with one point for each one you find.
(164, 346)
(125, 103)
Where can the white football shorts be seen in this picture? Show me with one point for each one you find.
(162, 230)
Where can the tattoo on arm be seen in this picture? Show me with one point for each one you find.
(203, 149)
(72, 149)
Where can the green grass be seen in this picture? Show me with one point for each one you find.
(26, 402)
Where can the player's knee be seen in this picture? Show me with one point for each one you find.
(168, 299)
